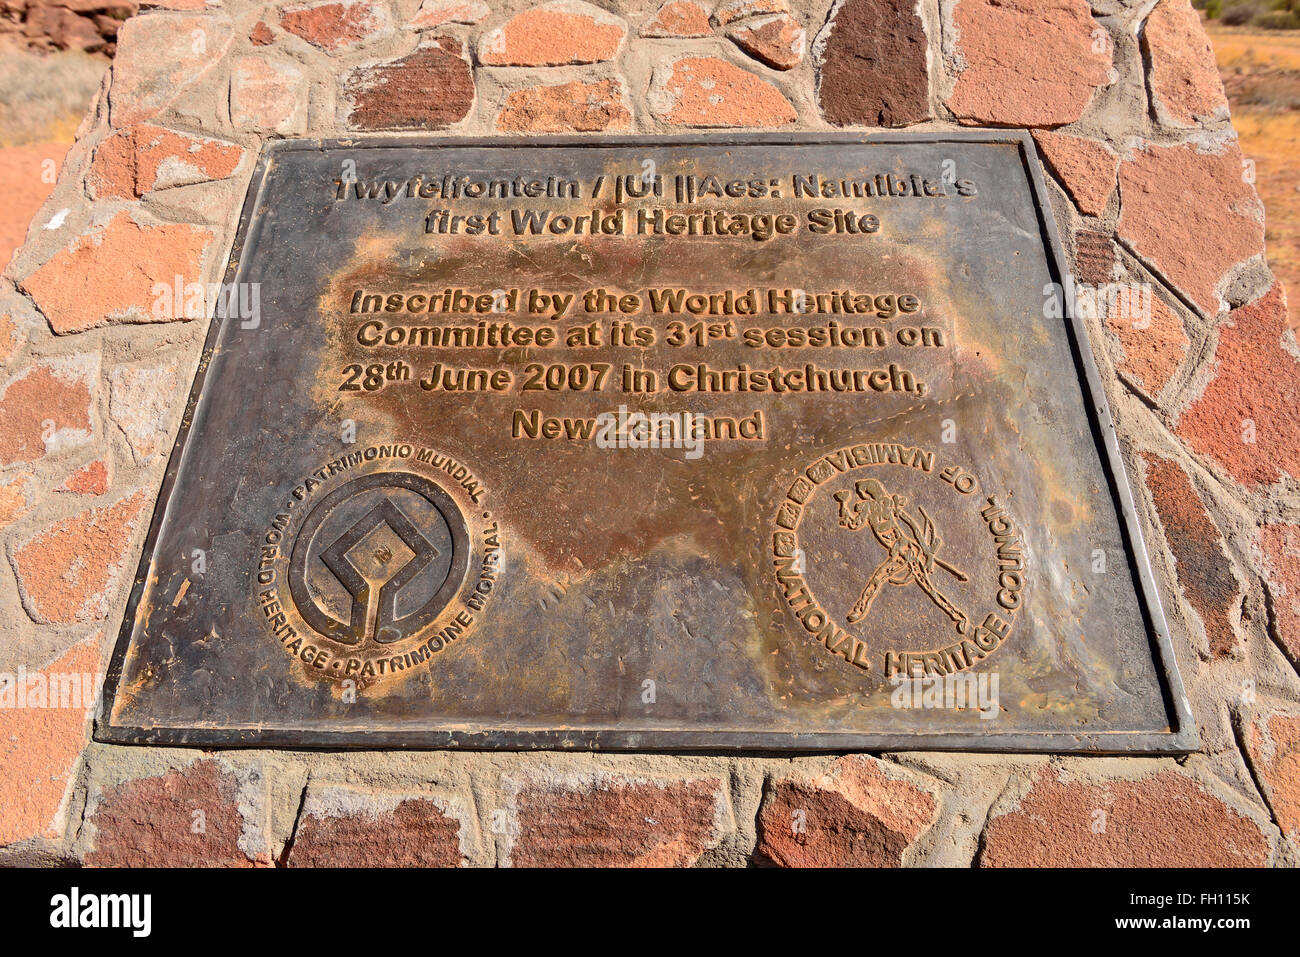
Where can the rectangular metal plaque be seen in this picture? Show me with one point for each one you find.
(711, 442)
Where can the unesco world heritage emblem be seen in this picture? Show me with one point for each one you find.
(864, 565)
(377, 557)
(363, 576)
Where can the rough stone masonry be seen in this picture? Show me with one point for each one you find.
(1148, 185)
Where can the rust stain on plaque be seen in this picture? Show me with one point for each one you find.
(713, 442)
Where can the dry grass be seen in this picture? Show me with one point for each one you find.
(1261, 71)
(44, 97)
(1255, 49)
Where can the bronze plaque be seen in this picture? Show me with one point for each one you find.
(712, 442)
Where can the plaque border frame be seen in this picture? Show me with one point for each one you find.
(1181, 738)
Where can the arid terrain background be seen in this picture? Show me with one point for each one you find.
(42, 99)
(1261, 72)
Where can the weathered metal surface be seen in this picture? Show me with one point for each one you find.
(408, 506)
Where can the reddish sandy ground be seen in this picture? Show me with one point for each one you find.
(27, 175)
(42, 101)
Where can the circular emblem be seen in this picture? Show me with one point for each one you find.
(379, 558)
(377, 561)
(885, 554)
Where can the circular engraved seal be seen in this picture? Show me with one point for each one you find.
(377, 561)
(378, 558)
(885, 554)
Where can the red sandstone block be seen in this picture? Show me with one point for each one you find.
(1245, 420)
(731, 10)
(90, 479)
(72, 570)
(159, 57)
(1183, 75)
(1273, 745)
(335, 26)
(434, 13)
(268, 95)
(1191, 215)
(39, 746)
(873, 65)
(1160, 820)
(1027, 62)
(141, 402)
(1086, 168)
(711, 92)
(601, 820)
(46, 408)
(11, 334)
(578, 106)
(1280, 544)
(861, 813)
(18, 495)
(108, 274)
(1205, 572)
(200, 815)
(343, 826)
(394, 94)
(1094, 257)
(261, 35)
(679, 18)
(1153, 345)
(135, 161)
(555, 34)
(778, 40)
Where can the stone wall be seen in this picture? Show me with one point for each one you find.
(1147, 183)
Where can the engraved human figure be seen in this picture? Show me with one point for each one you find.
(912, 547)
